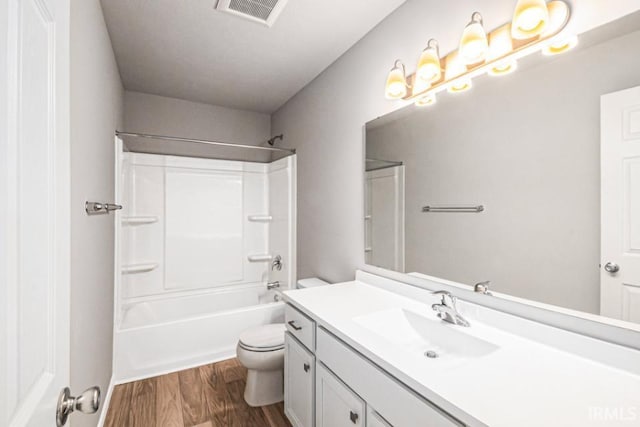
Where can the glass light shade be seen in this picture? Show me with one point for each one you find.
(530, 19)
(428, 99)
(396, 87)
(500, 44)
(561, 46)
(503, 68)
(473, 44)
(455, 68)
(460, 85)
(428, 68)
(558, 16)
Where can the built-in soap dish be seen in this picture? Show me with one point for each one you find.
(139, 268)
(260, 258)
(139, 220)
(260, 218)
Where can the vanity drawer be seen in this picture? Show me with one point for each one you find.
(300, 326)
(398, 405)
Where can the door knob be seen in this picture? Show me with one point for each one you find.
(611, 267)
(88, 403)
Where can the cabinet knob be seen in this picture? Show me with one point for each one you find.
(353, 417)
(306, 367)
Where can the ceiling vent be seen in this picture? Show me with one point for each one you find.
(263, 11)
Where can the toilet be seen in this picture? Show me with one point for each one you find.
(261, 350)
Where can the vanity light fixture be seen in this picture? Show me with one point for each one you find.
(474, 44)
(558, 15)
(561, 46)
(429, 69)
(537, 26)
(501, 45)
(455, 67)
(530, 19)
(396, 82)
(426, 99)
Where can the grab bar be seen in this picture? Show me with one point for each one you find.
(465, 209)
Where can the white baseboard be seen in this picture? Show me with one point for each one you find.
(105, 403)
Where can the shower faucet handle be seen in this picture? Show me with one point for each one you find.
(273, 285)
(277, 263)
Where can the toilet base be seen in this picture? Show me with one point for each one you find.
(264, 387)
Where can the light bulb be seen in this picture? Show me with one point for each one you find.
(429, 69)
(500, 45)
(502, 68)
(428, 99)
(558, 17)
(474, 44)
(562, 46)
(529, 19)
(455, 68)
(396, 87)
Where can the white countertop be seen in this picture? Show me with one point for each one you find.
(523, 383)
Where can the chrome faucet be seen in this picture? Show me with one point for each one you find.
(448, 311)
(273, 285)
(482, 288)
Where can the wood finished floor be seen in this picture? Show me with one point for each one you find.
(206, 396)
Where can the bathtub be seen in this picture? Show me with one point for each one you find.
(157, 336)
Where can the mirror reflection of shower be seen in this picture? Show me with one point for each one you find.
(384, 213)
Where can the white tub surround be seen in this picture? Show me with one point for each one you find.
(192, 261)
(502, 371)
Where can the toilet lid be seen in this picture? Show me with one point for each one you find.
(265, 337)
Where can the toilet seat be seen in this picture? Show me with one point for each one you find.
(263, 338)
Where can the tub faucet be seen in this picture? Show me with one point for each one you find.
(448, 311)
(273, 285)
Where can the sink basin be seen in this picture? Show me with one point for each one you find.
(421, 334)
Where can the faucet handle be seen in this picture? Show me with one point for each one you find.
(444, 295)
(482, 287)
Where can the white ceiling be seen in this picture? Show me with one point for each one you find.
(186, 49)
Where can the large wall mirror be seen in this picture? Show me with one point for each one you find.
(530, 180)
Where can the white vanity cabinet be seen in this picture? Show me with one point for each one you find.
(299, 375)
(329, 384)
(374, 419)
(336, 404)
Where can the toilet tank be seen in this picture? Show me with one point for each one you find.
(311, 282)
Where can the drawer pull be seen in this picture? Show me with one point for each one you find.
(306, 367)
(293, 325)
(353, 417)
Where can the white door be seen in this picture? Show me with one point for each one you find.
(384, 218)
(299, 373)
(620, 258)
(34, 209)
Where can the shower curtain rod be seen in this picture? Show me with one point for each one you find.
(204, 141)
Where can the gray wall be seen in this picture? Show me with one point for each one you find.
(528, 147)
(175, 117)
(96, 111)
(325, 120)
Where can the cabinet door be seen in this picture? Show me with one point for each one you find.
(336, 404)
(375, 420)
(299, 374)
